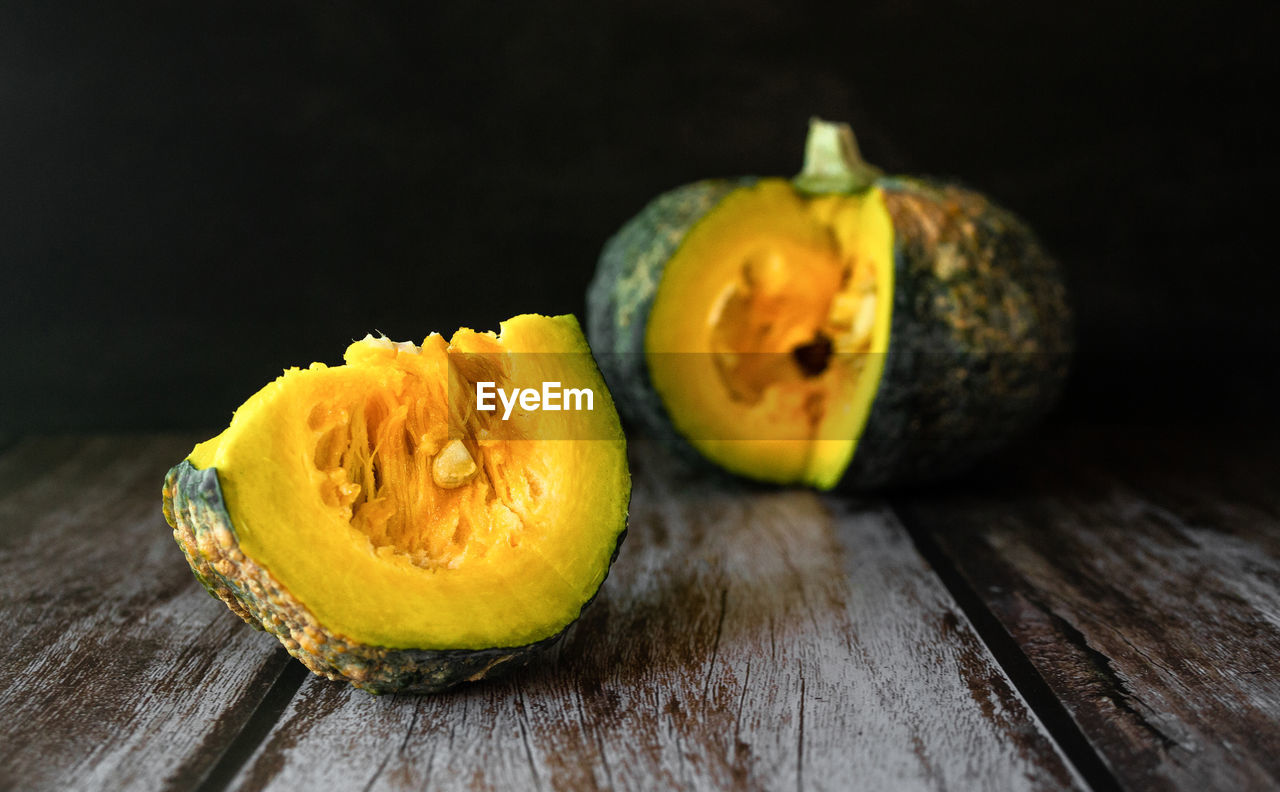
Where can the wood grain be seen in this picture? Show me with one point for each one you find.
(117, 671)
(748, 639)
(1140, 573)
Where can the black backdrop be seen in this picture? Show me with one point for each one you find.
(197, 195)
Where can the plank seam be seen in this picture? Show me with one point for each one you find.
(256, 728)
(1021, 672)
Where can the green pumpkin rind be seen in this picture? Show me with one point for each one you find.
(979, 338)
(194, 507)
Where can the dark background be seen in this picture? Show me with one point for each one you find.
(198, 195)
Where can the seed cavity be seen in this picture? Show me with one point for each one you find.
(813, 357)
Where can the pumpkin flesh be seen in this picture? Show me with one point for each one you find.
(769, 327)
(402, 517)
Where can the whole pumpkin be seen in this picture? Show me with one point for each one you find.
(840, 328)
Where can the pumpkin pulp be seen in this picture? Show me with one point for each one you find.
(768, 330)
(403, 517)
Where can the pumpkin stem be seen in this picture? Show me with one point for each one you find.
(832, 163)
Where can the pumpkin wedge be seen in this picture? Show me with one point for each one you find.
(840, 328)
(392, 532)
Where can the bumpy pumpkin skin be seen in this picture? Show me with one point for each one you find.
(194, 507)
(979, 342)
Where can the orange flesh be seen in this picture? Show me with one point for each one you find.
(384, 463)
(782, 322)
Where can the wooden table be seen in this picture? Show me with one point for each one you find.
(1099, 609)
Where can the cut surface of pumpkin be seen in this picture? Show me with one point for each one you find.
(401, 516)
(769, 328)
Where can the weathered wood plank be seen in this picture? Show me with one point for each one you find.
(1140, 574)
(117, 670)
(746, 639)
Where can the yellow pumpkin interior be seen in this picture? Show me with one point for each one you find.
(402, 516)
(767, 334)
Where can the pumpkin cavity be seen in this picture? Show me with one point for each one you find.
(784, 318)
(414, 468)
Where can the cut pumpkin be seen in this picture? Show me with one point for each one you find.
(389, 532)
(840, 328)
